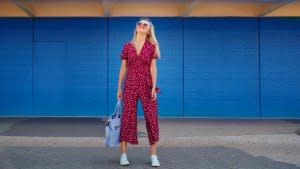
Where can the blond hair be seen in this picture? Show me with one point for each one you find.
(151, 37)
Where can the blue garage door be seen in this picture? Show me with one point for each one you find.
(70, 67)
(16, 66)
(221, 67)
(280, 67)
(209, 67)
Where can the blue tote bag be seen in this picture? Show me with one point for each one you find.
(112, 128)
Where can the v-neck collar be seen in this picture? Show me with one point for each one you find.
(138, 55)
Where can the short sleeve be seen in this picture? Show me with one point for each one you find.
(124, 52)
(154, 54)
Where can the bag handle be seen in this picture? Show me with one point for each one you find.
(118, 108)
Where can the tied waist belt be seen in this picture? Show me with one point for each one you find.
(157, 90)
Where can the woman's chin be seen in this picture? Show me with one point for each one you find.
(141, 31)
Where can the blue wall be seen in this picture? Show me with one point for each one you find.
(280, 67)
(70, 66)
(16, 66)
(221, 67)
(210, 67)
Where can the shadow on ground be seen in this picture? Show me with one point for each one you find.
(55, 127)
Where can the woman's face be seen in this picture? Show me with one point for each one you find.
(143, 26)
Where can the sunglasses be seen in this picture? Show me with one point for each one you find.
(144, 24)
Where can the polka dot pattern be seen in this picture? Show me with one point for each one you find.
(138, 84)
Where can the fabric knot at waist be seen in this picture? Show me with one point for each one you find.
(157, 90)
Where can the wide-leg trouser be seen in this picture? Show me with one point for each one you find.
(128, 131)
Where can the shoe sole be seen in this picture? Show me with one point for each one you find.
(125, 164)
(154, 165)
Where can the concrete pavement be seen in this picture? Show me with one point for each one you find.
(75, 143)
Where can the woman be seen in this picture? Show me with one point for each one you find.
(139, 65)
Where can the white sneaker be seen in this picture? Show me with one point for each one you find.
(154, 161)
(123, 160)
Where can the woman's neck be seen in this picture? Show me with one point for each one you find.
(140, 37)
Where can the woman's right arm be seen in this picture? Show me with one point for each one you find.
(122, 74)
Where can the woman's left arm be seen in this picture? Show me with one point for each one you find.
(153, 71)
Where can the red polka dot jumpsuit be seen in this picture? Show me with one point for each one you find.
(138, 84)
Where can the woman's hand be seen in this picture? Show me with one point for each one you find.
(153, 94)
(119, 94)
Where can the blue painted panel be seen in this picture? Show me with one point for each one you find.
(16, 29)
(70, 67)
(75, 65)
(170, 72)
(86, 78)
(15, 66)
(48, 75)
(221, 67)
(280, 67)
(70, 29)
